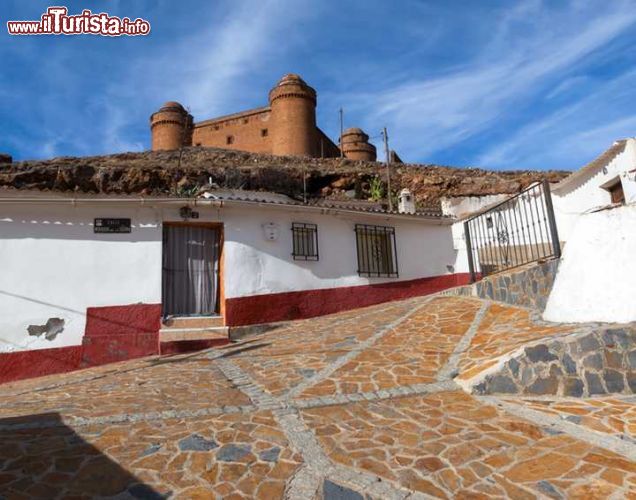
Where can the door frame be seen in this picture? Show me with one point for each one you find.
(221, 281)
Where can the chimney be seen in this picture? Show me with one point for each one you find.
(406, 203)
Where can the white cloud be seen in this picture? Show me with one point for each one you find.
(568, 85)
(572, 135)
(531, 47)
(206, 70)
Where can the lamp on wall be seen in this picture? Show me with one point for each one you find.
(187, 213)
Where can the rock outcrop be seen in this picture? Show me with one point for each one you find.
(160, 173)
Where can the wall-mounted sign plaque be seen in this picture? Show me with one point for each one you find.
(105, 225)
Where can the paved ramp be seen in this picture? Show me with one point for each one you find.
(361, 404)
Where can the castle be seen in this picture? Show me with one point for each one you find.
(286, 127)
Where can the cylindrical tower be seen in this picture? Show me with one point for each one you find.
(171, 127)
(355, 145)
(293, 105)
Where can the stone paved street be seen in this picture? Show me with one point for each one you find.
(407, 354)
(361, 404)
(493, 337)
(449, 444)
(614, 415)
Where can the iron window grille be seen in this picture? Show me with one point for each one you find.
(305, 241)
(377, 252)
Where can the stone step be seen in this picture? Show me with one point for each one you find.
(192, 322)
(168, 347)
(178, 334)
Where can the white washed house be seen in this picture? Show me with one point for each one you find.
(608, 179)
(88, 279)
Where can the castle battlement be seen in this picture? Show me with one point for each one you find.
(286, 127)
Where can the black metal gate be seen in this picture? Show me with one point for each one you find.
(518, 231)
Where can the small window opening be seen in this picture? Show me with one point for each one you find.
(377, 252)
(229, 139)
(305, 241)
(616, 192)
(264, 132)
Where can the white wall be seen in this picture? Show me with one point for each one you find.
(571, 200)
(527, 239)
(596, 280)
(254, 266)
(462, 206)
(54, 266)
(586, 194)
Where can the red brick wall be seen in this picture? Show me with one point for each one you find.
(246, 130)
(294, 124)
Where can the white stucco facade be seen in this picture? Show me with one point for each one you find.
(464, 206)
(583, 191)
(255, 265)
(595, 281)
(55, 266)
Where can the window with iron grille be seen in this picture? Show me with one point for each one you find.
(377, 253)
(305, 238)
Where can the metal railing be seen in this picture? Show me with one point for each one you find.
(515, 232)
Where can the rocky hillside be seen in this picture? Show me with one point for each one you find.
(164, 173)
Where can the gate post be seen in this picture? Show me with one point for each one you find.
(554, 234)
(469, 250)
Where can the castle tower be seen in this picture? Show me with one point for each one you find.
(171, 127)
(355, 145)
(293, 128)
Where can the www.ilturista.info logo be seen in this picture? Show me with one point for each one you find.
(56, 21)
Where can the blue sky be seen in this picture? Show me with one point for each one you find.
(496, 84)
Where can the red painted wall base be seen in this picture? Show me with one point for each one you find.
(113, 333)
(27, 364)
(310, 303)
(117, 333)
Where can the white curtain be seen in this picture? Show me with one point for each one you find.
(190, 269)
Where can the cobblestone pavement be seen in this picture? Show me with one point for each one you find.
(493, 337)
(614, 415)
(229, 456)
(293, 354)
(169, 384)
(407, 354)
(450, 445)
(354, 405)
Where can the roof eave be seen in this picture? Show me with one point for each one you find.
(156, 201)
